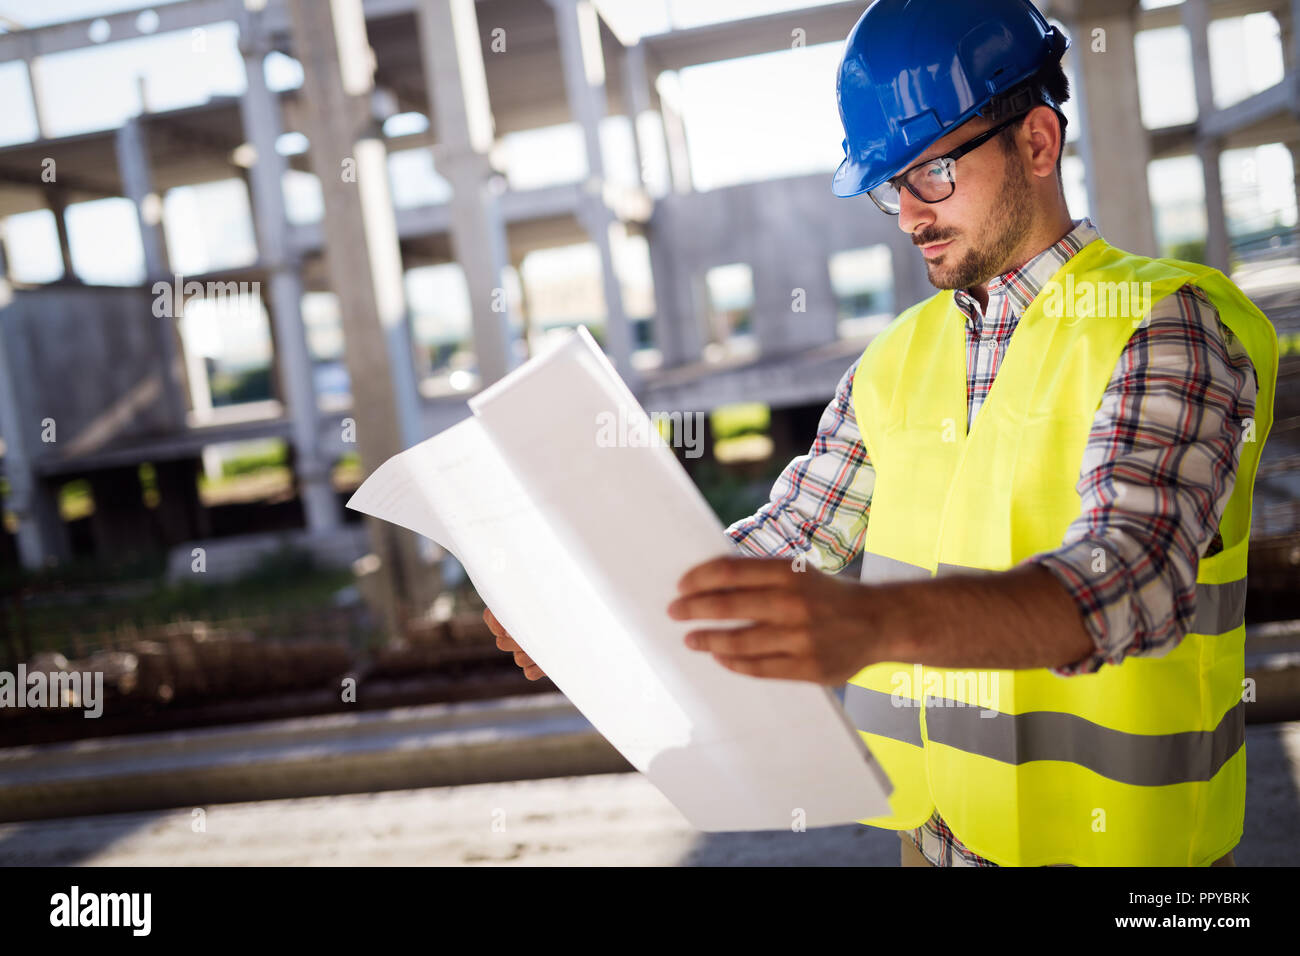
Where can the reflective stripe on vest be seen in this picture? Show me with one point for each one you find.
(1149, 760)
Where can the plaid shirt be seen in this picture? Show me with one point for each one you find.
(1157, 472)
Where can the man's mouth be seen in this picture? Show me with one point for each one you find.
(935, 249)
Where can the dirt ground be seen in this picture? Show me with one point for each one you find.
(601, 820)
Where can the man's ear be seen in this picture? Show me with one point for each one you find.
(1041, 122)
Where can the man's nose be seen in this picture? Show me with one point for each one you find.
(913, 214)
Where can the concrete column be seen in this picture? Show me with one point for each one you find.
(120, 522)
(1113, 144)
(1291, 44)
(636, 100)
(181, 516)
(679, 155)
(260, 112)
(677, 326)
(42, 535)
(795, 307)
(1294, 147)
(596, 218)
(457, 89)
(38, 106)
(526, 327)
(1286, 34)
(1217, 244)
(578, 26)
(57, 204)
(132, 151)
(365, 267)
(1196, 19)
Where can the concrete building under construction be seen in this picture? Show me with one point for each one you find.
(97, 380)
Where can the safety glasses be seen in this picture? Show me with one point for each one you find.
(933, 180)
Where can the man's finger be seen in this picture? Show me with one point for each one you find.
(729, 572)
(494, 625)
(770, 606)
(761, 640)
(789, 668)
(507, 643)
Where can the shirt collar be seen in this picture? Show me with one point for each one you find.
(1021, 285)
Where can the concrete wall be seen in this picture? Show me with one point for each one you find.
(786, 230)
(86, 357)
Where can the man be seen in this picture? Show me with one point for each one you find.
(1052, 495)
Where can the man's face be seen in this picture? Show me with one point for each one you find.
(983, 223)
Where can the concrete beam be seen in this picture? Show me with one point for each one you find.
(1279, 99)
(1170, 16)
(826, 23)
(75, 34)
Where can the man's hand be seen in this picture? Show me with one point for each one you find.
(806, 625)
(507, 643)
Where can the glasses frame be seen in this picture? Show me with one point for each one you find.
(950, 158)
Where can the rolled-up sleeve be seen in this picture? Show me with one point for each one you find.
(1158, 469)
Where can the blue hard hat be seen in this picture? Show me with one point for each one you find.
(914, 70)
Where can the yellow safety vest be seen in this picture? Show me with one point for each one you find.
(1141, 763)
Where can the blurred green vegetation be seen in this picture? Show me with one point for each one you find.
(92, 599)
(75, 500)
(745, 418)
(246, 385)
(274, 457)
(1193, 251)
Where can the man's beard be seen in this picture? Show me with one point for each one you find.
(1004, 235)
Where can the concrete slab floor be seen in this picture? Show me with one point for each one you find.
(600, 820)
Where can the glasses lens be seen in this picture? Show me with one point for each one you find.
(886, 197)
(935, 181)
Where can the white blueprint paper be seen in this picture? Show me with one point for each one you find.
(577, 549)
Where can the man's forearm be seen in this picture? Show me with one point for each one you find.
(1016, 619)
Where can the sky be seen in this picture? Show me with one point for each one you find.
(785, 122)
